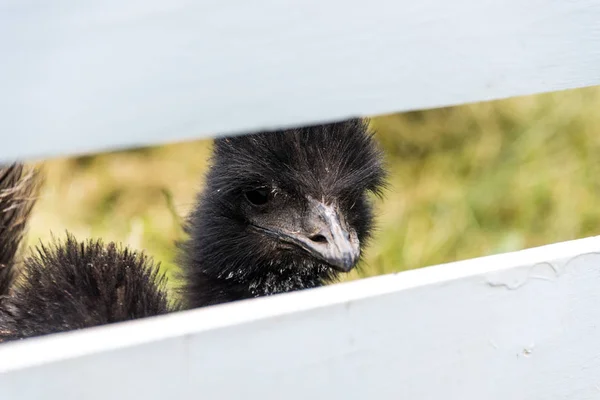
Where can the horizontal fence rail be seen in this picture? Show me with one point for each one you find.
(520, 326)
(80, 76)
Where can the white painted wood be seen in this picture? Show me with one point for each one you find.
(82, 76)
(519, 326)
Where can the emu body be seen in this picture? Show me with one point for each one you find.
(18, 189)
(74, 285)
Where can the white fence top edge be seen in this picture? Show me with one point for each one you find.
(84, 76)
(496, 270)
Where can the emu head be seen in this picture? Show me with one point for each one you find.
(282, 211)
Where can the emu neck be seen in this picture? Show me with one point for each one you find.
(204, 289)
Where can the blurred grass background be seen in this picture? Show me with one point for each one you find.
(465, 181)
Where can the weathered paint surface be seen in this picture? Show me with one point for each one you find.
(520, 326)
(84, 76)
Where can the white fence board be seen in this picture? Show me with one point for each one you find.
(519, 326)
(83, 75)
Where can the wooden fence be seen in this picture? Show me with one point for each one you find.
(81, 76)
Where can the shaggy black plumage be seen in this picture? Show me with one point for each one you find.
(281, 211)
(70, 285)
(74, 285)
(18, 190)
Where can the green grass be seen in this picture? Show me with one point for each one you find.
(465, 181)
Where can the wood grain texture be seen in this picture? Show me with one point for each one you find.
(81, 76)
(520, 326)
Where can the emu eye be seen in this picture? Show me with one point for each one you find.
(258, 197)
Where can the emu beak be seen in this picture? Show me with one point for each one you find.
(330, 239)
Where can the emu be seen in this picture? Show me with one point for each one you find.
(280, 211)
(18, 189)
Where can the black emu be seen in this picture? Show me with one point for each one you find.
(74, 285)
(281, 211)
(18, 189)
(66, 285)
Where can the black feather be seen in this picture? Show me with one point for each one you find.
(72, 285)
(224, 260)
(18, 190)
